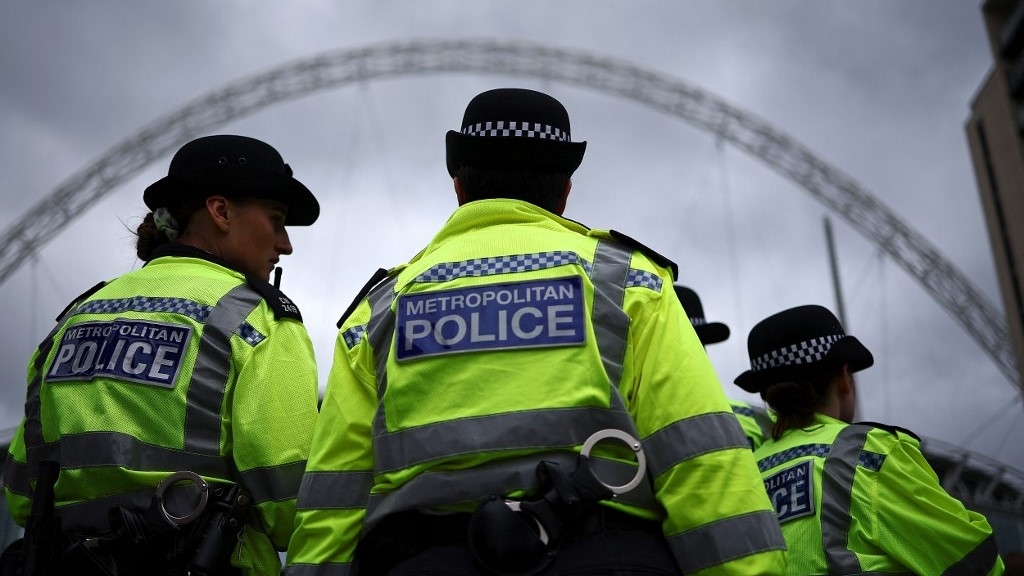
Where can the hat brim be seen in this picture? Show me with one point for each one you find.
(303, 207)
(497, 151)
(712, 333)
(849, 350)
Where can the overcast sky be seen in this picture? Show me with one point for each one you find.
(878, 89)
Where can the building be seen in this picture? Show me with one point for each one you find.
(994, 134)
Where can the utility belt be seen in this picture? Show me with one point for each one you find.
(513, 537)
(189, 528)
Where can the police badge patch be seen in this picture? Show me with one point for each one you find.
(494, 317)
(792, 491)
(131, 350)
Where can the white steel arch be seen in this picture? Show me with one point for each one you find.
(838, 192)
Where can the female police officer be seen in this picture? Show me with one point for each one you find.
(851, 498)
(194, 364)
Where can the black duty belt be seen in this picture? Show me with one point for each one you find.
(513, 537)
(404, 535)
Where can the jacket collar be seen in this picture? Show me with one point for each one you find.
(176, 250)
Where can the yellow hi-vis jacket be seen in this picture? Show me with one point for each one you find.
(511, 338)
(755, 421)
(861, 499)
(180, 365)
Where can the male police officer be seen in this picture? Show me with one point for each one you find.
(472, 386)
(755, 421)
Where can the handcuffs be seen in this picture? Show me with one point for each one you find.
(588, 446)
(173, 480)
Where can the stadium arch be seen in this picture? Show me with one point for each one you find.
(782, 153)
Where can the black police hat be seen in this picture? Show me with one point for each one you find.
(514, 128)
(708, 332)
(802, 342)
(233, 166)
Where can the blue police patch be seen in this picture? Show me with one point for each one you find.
(508, 316)
(792, 491)
(131, 350)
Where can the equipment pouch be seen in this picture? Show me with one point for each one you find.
(507, 541)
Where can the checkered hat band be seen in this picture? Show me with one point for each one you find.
(517, 129)
(697, 321)
(194, 310)
(807, 352)
(866, 459)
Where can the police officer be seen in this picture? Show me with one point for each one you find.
(755, 421)
(851, 498)
(193, 364)
(490, 400)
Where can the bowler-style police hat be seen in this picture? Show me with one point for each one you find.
(802, 342)
(708, 332)
(234, 167)
(514, 128)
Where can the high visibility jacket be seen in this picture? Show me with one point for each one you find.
(511, 338)
(182, 364)
(755, 421)
(861, 499)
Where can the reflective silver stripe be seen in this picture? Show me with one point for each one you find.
(33, 426)
(16, 477)
(610, 273)
(209, 377)
(318, 570)
(279, 482)
(764, 422)
(380, 332)
(381, 329)
(437, 489)
(122, 450)
(836, 487)
(727, 539)
(532, 429)
(611, 324)
(321, 490)
(978, 561)
(692, 437)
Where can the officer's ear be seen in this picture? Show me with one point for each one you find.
(565, 197)
(217, 208)
(844, 381)
(460, 192)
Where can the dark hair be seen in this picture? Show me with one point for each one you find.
(541, 188)
(796, 401)
(148, 238)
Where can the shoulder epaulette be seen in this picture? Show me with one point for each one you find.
(79, 298)
(891, 428)
(282, 305)
(379, 275)
(647, 251)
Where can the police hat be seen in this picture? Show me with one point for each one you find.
(514, 128)
(235, 167)
(802, 342)
(708, 332)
